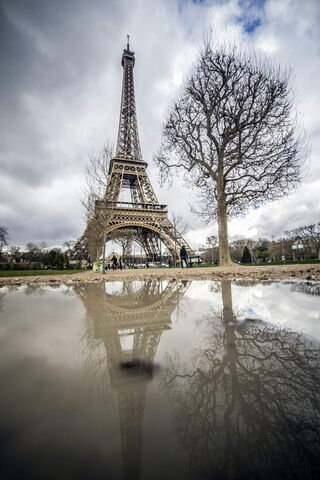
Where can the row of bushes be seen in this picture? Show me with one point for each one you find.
(33, 266)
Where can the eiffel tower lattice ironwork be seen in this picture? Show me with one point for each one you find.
(143, 218)
(130, 323)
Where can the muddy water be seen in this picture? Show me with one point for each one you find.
(153, 380)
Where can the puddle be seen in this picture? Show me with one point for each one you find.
(160, 379)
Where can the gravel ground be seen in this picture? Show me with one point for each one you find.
(309, 272)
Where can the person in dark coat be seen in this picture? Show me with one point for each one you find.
(114, 262)
(183, 256)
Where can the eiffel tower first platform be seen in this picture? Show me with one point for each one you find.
(144, 219)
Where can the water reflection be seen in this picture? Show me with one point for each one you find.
(235, 399)
(250, 405)
(130, 321)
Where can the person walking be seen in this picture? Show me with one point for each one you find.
(114, 262)
(183, 256)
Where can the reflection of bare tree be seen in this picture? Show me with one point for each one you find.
(34, 289)
(310, 288)
(12, 288)
(250, 407)
(2, 295)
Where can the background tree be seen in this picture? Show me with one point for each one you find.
(246, 256)
(181, 226)
(54, 258)
(58, 259)
(68, 253)
(66, 262)
(123, 240)
(4, 235)
(236, 249)
(14, 253)
(34, 252)
(309, 234)
(69, 244)
(212, 243)
(261, 250)
(234, 132)
(96, 179)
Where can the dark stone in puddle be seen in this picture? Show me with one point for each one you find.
(137, 367)
(243, 322)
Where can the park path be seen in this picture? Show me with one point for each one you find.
(306, 272)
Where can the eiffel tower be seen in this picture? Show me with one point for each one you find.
(130, 323)
(143, 219)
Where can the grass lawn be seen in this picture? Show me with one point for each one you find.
(261, 264)
(28, 273)
(288, 262)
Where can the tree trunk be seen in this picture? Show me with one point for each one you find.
(224, 254)
(104, 253)
(227, 301)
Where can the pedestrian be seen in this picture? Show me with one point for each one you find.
(183, 256)
(120, 263)
(114, 262)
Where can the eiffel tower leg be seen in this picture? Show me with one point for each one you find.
(114, 183)
(146, 188)
(145, 240)
(154, 243)
(134, 192)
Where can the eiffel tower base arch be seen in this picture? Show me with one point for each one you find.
(141, 226)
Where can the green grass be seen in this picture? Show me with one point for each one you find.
(28, 273)
(265, 264)
(261, 264)
(288, 262)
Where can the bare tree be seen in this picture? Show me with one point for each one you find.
(234, 133)
(180, 228)
(14, 253)
(4, 235)
(124, 240)
(309, 234)
(212, 241)
(69, 244)
(96, 179)
(34, 252)
(210, 249)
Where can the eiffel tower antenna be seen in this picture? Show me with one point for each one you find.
(144, 218)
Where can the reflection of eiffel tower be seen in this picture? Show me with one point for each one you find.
(143, 219)
(131, 323)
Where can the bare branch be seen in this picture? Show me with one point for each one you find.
(233, 130)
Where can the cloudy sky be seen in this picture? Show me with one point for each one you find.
(60, 97)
